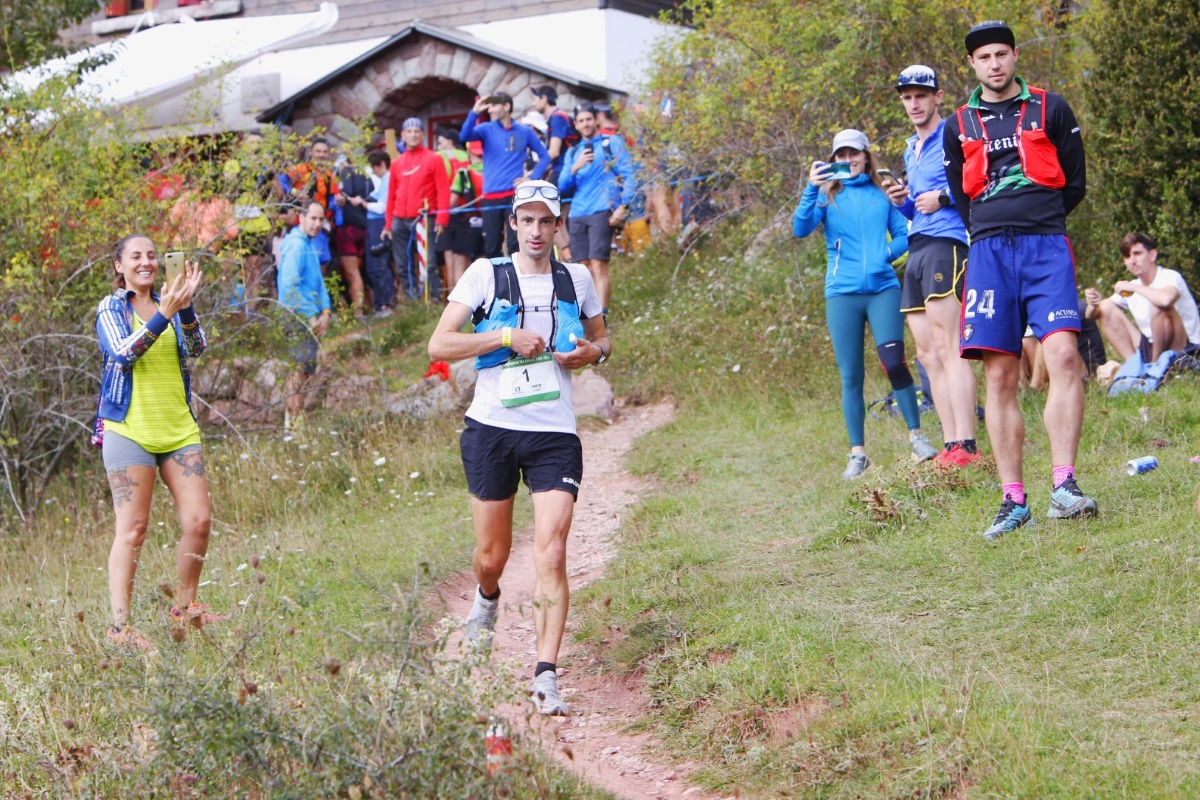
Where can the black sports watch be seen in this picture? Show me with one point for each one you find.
(603, 357)
(944, 199)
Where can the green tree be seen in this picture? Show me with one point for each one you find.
(760, 88)
(29, 30)
(1143, 89)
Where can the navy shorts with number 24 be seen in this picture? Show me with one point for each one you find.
(1014, 280)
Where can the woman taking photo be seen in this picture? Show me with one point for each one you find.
(145, 423)
(861, 286)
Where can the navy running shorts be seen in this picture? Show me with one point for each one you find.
(935, 268)
(1014, 280)
(495, 459)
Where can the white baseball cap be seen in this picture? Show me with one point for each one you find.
(538, 192)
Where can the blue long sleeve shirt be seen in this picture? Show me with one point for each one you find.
(927, 173)
(301, 287)
(602, 185)
(857, 222)
(504, 152)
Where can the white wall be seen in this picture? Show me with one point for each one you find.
(605, 45)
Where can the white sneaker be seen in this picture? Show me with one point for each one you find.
(545, 696)
(481, 622)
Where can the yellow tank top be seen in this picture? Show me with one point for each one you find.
(158, 419)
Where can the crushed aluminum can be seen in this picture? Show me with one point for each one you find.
(1140, 465)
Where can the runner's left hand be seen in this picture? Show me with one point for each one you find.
(584, 355)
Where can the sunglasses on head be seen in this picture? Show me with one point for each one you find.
(527, 192)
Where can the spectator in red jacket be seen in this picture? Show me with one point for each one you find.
(417, 183)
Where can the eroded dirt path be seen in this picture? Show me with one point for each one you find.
(594, 741)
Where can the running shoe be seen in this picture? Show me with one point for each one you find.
(856, 465)
(1067, 502)
(126, 636)
(958, 456)
(1011, 517)
(481, 622)
(195, 614)
(545, 696)
(922, 450)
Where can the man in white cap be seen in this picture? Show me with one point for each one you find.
(417, 185)
(937, 261)
(1015, 162)
(535, 320)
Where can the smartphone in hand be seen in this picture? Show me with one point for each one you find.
(886, 176)
(172, 266)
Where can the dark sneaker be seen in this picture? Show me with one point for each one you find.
(856, 465)
(1067, 502)
(481, 622)
(1011, 517)
(545, 696)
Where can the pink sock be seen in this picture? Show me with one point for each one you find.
(1062, 473)
(1014, 492)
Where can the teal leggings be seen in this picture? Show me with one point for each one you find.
(846, 315)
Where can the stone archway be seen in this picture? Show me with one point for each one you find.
(421, 75)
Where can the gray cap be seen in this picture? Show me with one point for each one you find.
(850, 138)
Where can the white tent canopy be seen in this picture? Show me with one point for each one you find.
(174, 73)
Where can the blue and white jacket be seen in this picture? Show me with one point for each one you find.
(121, 347)
(927, 173)
(857, 221)
(605, 183)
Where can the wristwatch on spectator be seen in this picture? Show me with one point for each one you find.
(603, 357)
(944, 199)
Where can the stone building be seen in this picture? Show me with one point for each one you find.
(428, 72)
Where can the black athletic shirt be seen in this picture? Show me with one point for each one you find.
(1010, 200)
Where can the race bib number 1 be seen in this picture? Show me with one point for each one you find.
(528, 380)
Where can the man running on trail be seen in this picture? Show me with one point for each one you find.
(1015, 162)
(937, 259)
(535, 321)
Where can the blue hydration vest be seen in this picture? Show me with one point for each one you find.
(507, 308)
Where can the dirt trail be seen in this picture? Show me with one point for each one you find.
(594, 741)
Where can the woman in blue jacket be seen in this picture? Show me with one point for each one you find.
(861, 286)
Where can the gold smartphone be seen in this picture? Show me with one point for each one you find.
(886, 176)
(172, 266)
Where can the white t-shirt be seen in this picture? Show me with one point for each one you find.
(477, 288)
(1140, 307)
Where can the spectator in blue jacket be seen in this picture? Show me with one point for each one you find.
(861, 287)
(302, 291)
(505, 146)
(599, 172)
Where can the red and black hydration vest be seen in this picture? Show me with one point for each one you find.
(1039, 156)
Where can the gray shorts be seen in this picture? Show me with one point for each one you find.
(591, 236)
(120, 452)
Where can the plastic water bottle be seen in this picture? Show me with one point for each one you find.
(499, 746)
(1140, 465)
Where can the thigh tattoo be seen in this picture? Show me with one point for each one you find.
(192, 462)
(122, 486)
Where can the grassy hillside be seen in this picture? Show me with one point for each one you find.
(804, 636)
(800, 636)
(325, 682)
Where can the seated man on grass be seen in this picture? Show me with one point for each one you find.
(1164, 311)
